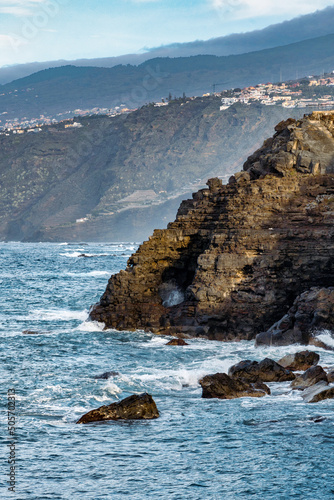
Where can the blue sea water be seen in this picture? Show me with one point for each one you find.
(261, 448)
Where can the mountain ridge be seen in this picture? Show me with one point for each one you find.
(59, 90)
(318, 23)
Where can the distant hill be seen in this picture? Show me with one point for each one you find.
(67, 88)
(319, 23)
(114, 179)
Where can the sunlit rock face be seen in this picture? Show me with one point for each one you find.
(237, 256)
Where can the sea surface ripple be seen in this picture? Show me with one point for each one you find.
(274, 447)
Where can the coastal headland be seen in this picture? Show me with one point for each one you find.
(238, 255)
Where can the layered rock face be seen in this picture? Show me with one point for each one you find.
(237, 255)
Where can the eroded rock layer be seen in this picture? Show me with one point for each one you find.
(237, 255)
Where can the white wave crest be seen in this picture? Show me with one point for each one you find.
(91, 326)
(327, 337)
(57, 314)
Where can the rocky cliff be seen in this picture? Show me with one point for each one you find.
(239, 254)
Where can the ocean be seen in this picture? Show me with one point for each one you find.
(276, 447)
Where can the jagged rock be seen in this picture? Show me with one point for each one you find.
(239, 254)
(106, 375)
(330, 376)
(310, 377)
(320, 396)
(299, 360)
(177, 342)
(310, 392)
(312, 310)
(266, 370)
(134, 407)
(222, 386)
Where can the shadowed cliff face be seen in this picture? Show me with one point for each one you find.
(237, 255)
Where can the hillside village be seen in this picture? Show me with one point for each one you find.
(313, 92)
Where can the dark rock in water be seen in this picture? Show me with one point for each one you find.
(319, 343)
(106, 375)
(134, 407)
(310, 377)
(318, 419)
(222, 386)
(310, 392)
(311, 310)
(266, 371)
(32, 332)
(240, 254)
(299, 360)
(177, 342)
(330, 376)
(326, 394)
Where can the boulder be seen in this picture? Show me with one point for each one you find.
(311, 311)
(141, 406)
(177, 342)
(222, 386)
(266, 371)
(299, 360)
(330, 376)
(320, 396)
(310, 377)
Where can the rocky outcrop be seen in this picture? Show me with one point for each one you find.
(311, 311)
(299, 360)
(237, 255)
(134, 407)
(222, 386)
(177, 342)
(310, 377)
(266, 370)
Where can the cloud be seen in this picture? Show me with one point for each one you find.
(19, 8)
(245, 9)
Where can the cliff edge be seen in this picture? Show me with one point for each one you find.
(237, 255)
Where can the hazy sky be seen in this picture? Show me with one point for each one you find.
(44, 30)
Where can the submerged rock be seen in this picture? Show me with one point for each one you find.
(266, 370)
(177, 342)
(134, 407)
(299, 360)
(310, 377)
(238, 255)
(222, 386)
(106, 375)
(32, 332)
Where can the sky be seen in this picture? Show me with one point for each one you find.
(49, 30)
